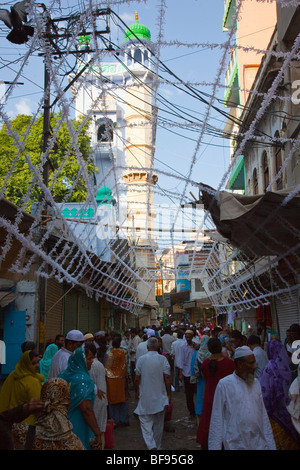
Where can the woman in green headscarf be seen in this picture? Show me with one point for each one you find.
(196, 376)
(82, 395)
(45, 362)
(22, 384)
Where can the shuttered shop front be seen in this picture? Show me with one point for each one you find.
(81, 312)
(287, 308)
(54, 309)
(89, 314)
(70, 311)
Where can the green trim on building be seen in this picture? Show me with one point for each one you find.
(234, 83)
(237, 177)
(104, 196)
(228, 15)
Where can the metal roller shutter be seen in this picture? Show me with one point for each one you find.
(83, 314)
(287, 308)
(54, 309)
(70, 312)
(89, 314)
(94, 315)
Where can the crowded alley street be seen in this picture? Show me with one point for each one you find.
(149, 227)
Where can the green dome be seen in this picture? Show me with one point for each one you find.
(137, 30)
(104, 196)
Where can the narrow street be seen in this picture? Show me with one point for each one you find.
(179, 434)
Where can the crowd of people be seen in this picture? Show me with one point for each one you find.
(241, 396)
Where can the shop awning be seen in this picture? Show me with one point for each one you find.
(260, 225)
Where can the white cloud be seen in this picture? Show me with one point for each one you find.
(23, 106)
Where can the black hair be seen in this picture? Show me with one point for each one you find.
(253, 339)
(180, 334)
(102, 340)
(32, 354)
(90, 347)
(214, 346)
(27, 346)
(295, 327)
(236, 334)
(116, 341)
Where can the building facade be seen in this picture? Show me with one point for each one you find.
(267, 107)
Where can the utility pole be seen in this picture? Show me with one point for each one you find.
(49, 37)
(42, 283)
(46, 119)
(47, 79)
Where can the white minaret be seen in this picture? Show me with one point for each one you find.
(140, 121)
(119, 98)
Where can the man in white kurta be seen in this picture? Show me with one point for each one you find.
(97, 373)
(153, 385)
(74, 339)
(143, 345)
(239, 420)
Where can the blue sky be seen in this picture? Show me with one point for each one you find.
(191, 23)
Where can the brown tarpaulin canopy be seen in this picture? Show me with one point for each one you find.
(258, 225)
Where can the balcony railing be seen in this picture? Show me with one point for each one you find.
(231, 67)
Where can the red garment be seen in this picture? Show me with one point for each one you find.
(225, 367)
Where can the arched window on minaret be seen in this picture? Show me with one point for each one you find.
(146, 58)
(105, 131)
(138, 56)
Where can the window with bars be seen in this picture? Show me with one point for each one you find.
(255, 181)
(265, 165)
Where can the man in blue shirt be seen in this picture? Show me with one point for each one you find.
(185, 359)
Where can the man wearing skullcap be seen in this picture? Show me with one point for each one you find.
(153, 390)
(142, 346)
(59, 363)
(88, 338)
(239, 420)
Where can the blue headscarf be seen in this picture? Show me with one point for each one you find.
(224, 339)
(77, 375)
(198, 358)
(45, 362)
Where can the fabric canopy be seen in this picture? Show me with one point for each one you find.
(6, 298)
(258, 225)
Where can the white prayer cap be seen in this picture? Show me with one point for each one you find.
(150, 332)
(75, 335)
(206, 329)
(242, 352)
(100, 333)
(88, 336)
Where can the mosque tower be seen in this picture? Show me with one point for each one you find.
(140, 133)
(140, 120)
(119, 95)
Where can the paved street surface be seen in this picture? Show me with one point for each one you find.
(181, 434)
